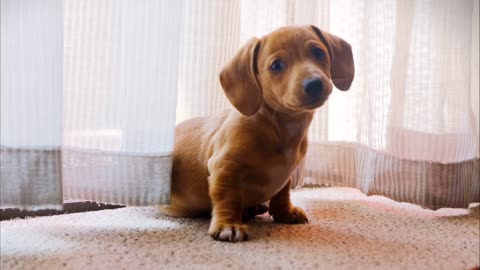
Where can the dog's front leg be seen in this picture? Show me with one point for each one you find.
(227, 202)
(283, 211)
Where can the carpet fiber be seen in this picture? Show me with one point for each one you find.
(347, 230)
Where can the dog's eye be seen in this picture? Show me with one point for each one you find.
(277, 66)
(318, 53)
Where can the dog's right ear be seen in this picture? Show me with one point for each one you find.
(239, 79)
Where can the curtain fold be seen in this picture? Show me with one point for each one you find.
(89, 95)
(430, 184)
(207, 40)
(31, 103)
(405, 129)
(120, 89)
(88, 101)
(408, 132)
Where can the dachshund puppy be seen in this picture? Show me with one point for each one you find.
(242, 158)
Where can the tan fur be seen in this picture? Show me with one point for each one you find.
(239, 159)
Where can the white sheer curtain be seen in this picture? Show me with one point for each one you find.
(410, 121)
(407, 129)
(120, 89)
(31, 57)
(88, 101)
(89, 90)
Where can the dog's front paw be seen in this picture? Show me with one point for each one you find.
(292, 215)
(228, 232)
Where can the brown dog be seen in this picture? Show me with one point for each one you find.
(240, 159)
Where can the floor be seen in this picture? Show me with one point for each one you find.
(347, 230)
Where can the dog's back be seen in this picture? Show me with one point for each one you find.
(190, 172)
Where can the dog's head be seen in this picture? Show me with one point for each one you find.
(292, 68)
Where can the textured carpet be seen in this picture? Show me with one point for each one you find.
(347, 230)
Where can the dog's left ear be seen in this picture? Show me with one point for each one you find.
(342, 67)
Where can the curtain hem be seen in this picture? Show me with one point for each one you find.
(112, 178)
(429, 184)
(35, 179)
(30, 179)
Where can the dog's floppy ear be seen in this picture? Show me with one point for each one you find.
(239, 79)
(342, 67)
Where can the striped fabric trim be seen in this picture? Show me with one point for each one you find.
(35, 179)
(30, 179)
(116, 178)
(429, 184)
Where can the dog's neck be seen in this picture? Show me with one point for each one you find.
(291, 126)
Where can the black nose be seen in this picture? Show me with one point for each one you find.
(313, 87)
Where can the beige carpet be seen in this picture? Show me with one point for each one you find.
(347, 230)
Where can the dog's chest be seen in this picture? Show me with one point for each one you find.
(273, 175)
